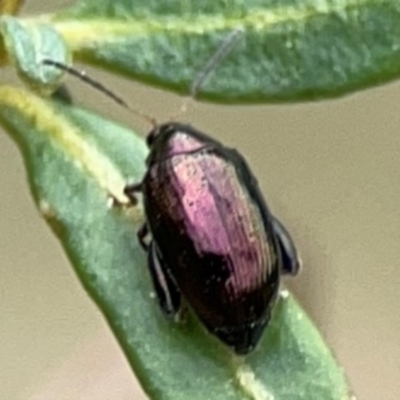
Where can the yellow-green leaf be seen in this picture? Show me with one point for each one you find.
(75, 160)
(28, 44)
(291, 50)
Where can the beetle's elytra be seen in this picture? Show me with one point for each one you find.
(213, 239)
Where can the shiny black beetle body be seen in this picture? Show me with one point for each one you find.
(214, 240)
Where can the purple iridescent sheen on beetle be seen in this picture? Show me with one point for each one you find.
(213, 239)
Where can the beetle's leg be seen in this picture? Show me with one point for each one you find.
(131, 190)
(143, 232)
(168, 294)
(290, 258)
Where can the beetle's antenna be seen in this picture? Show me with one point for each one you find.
(83, 76)
(223, 50)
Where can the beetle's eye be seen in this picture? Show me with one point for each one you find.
(152, 135)
(160, 130)
(150, 138)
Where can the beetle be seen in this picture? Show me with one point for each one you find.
(213, 238)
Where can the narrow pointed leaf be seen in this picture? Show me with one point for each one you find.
(75, 160)
(28, 44)
(291, 50)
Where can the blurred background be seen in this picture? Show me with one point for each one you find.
(329, 170)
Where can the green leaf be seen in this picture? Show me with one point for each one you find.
(292, 50)
(28, 44)
(75, 160)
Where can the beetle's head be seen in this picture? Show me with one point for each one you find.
(158, 131)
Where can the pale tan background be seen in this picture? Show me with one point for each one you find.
(331, 171)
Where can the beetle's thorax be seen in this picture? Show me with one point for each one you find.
(172, 139)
